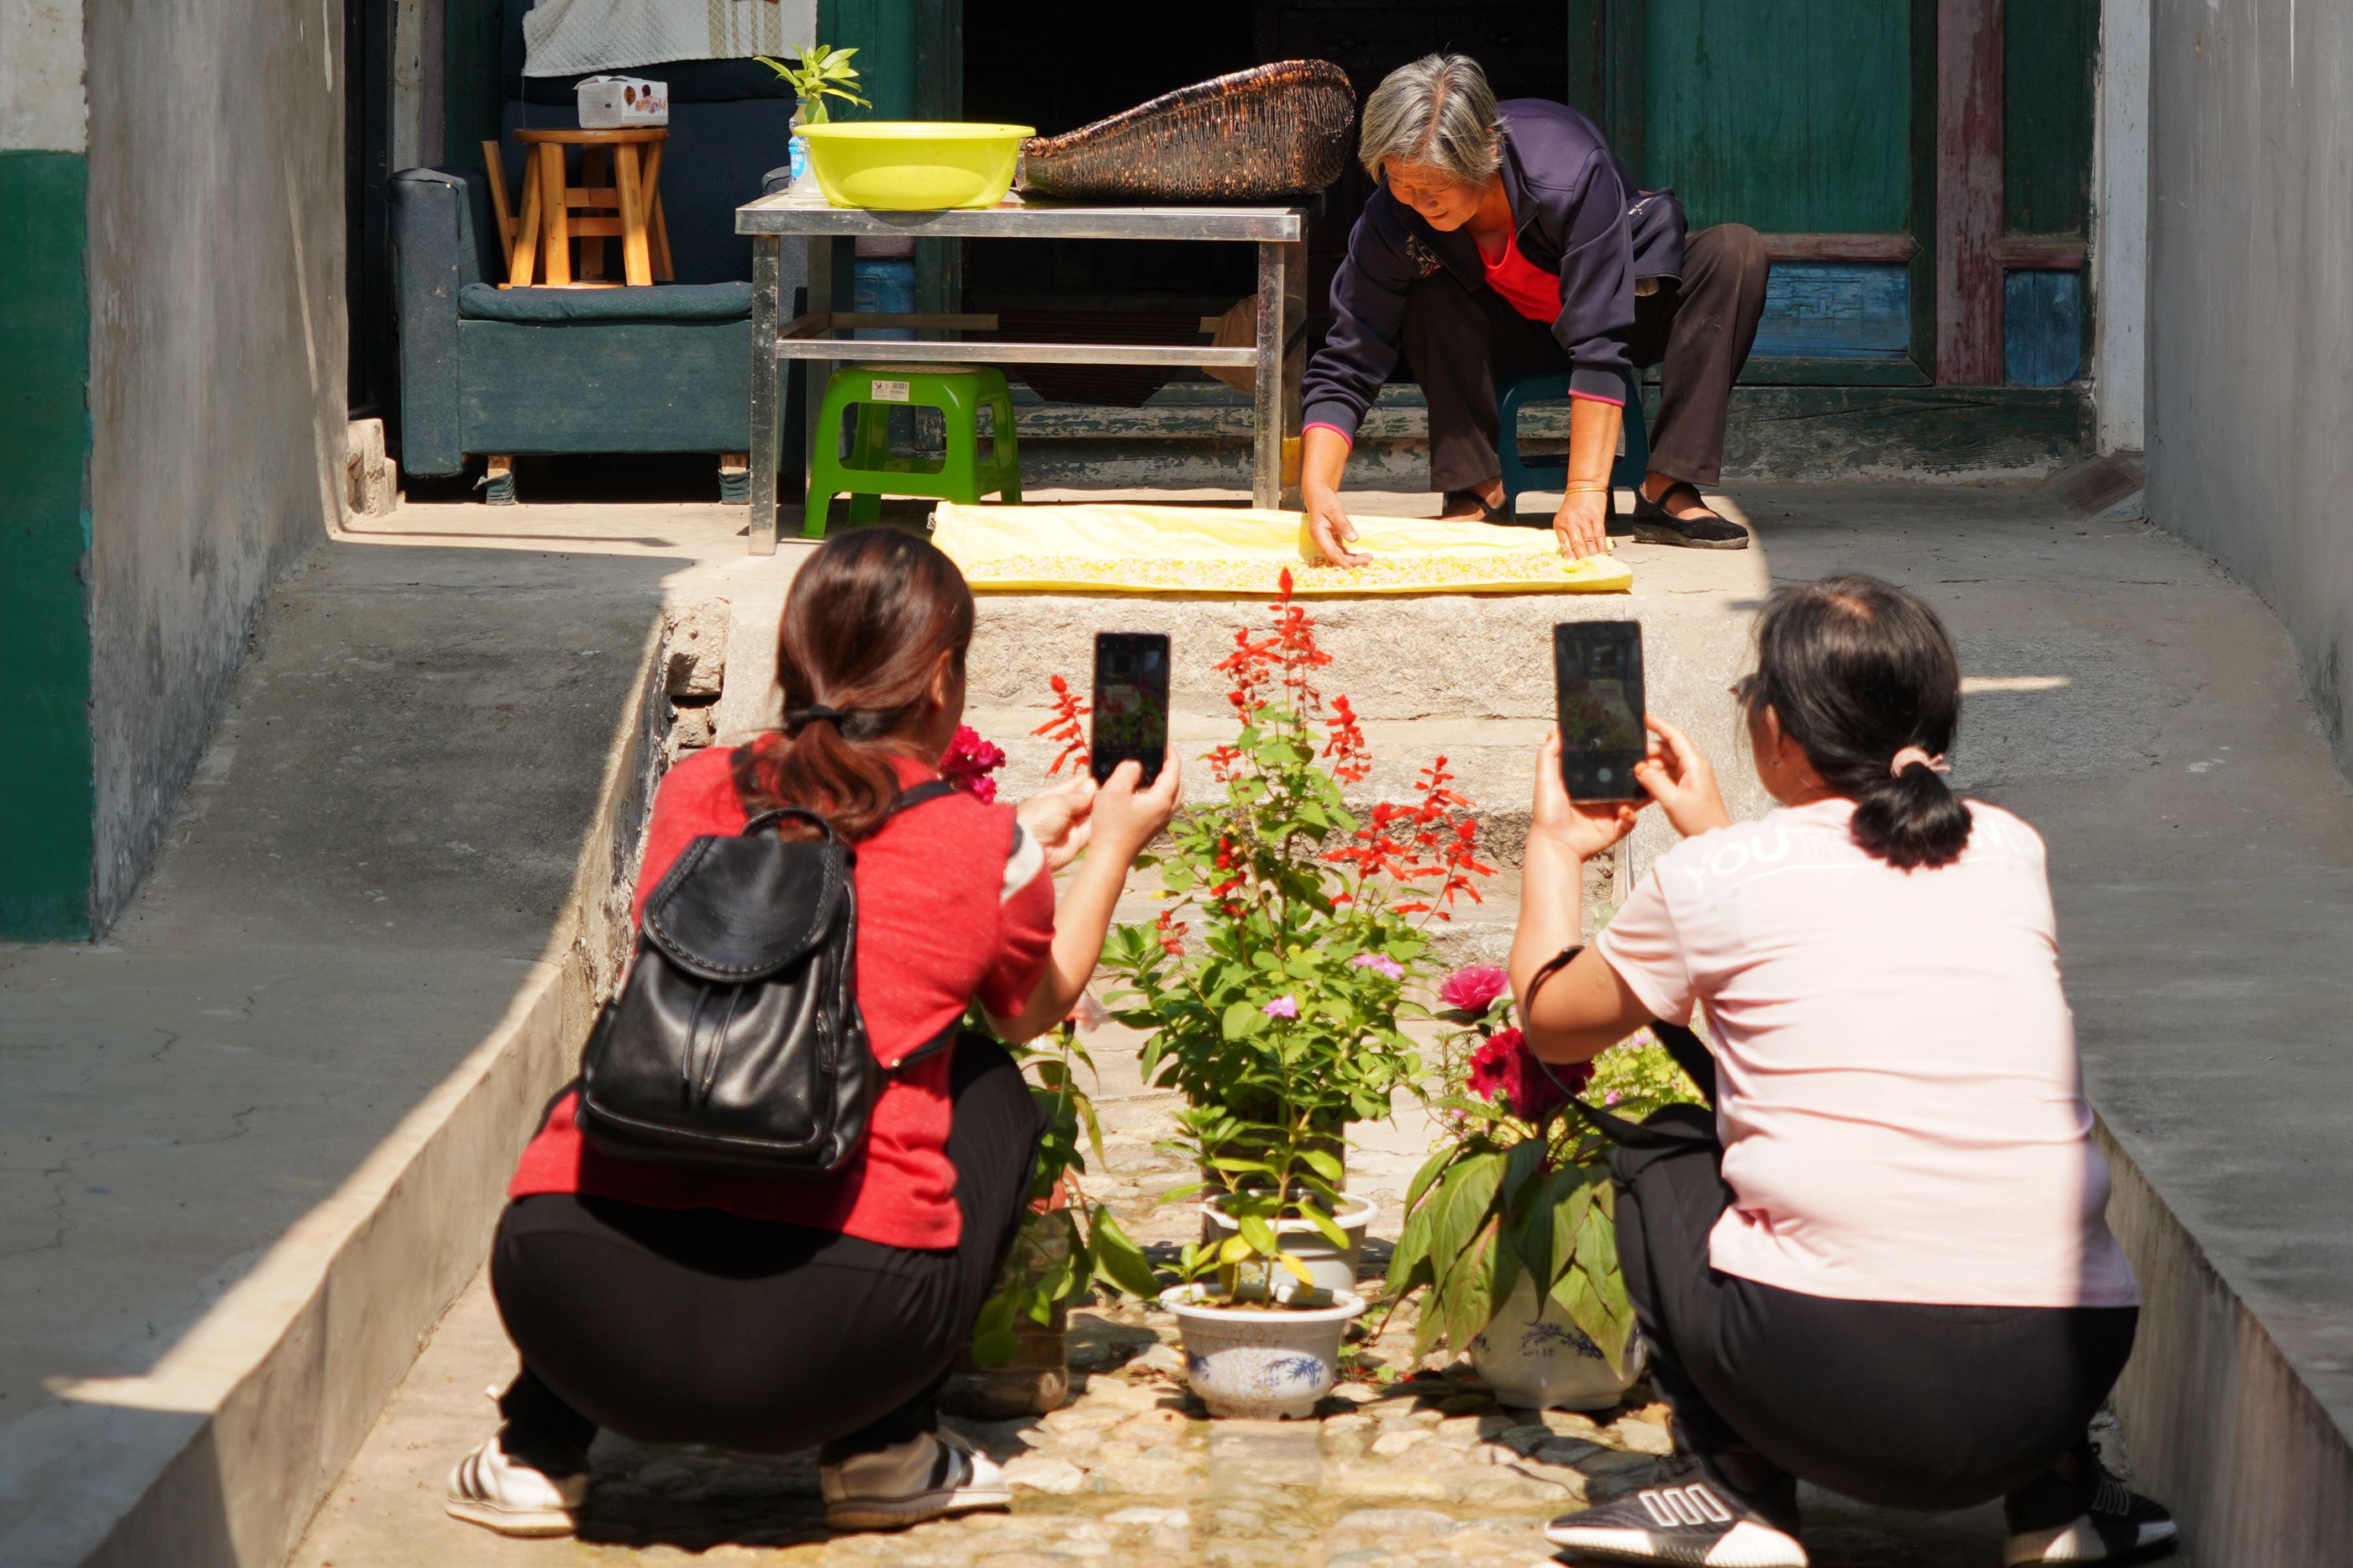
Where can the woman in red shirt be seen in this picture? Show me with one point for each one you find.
(678, 1306)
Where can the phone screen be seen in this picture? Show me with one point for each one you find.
(1130, 703)
(1597, 674)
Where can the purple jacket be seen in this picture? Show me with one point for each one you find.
(1578, 214)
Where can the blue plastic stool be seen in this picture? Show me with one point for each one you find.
(1550, 473)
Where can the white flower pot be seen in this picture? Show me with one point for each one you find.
(1333, 1267)
(1259, 1365)
(1541, 1360)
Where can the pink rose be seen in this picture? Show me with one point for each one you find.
(1475, 989)
(1282, 1007)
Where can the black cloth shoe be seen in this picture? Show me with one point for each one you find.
(1486, 512)
(1654, 524)
(1682, 1518)
(2122, 1527)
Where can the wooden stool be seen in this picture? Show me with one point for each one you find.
(539, 237)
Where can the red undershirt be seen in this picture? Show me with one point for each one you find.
(935, 930)
(1530, 289)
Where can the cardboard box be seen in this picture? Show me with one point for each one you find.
(607, 102)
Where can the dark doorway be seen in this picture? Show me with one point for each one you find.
(1056, 64)
(367, 245)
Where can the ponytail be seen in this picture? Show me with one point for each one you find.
(867, 618)
(1864, 677)
(1911, 820)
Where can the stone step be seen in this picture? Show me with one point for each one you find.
(1469, 676)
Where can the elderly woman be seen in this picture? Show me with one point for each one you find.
(1504, 240)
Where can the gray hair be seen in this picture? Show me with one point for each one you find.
(1439, 112)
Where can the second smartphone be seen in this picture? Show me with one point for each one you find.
(1596, 669)
(1130, 703)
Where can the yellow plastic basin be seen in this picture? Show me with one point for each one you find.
(914, 165)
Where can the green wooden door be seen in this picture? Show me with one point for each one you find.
(1919, 170)
(1804, 120)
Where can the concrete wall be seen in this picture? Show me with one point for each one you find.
(217, 390)
(2251, 309)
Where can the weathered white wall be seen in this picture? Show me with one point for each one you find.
(2251, 309)
(41, 108)
(2120, 228)
(217, 374)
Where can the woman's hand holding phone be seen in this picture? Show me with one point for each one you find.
(1582, 829)
(1125, 817)
(1679, 776)
(1061, 818)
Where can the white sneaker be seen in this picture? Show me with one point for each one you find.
(491, 1489)
(923, 1478)
(1683, 1520)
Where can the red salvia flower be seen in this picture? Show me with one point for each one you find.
(1064, 726)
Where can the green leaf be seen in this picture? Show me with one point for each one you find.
(1259, 1234)
(1430, 1170)
(1325, 1223)
(1119, 1262)
(1243, 1020)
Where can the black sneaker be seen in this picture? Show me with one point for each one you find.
(2122, 1527)
(1654, 524)
(1683, 1519)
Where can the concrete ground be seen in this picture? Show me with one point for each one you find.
(425, 737)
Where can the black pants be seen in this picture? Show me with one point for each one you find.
(1460, 344)
(696, 1326)
(1900, 1406)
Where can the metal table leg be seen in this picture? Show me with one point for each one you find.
(765, 271)
(1294, 366)
(1266, 427)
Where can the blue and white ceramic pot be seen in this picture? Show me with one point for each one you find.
(1258, 1362)
(1539, 1359)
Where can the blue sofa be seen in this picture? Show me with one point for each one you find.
(486, 371)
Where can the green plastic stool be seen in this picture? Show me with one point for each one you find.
(873, 471)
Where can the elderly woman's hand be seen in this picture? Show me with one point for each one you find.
(1328, 525)
(1582, 524)
(1059, 818)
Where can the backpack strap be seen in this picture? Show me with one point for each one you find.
(923, 794)
(1681, 1044)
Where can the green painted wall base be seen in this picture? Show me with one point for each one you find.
(46, 796)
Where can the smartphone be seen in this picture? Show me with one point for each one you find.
(1597, 669)
(1130, 703)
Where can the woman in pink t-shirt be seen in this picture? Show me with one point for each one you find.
(1882, 1264)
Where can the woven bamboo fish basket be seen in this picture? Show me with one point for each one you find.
(1280, 130)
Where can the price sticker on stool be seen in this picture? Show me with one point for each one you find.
(889, 391)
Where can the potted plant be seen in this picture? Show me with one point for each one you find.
(1018, 1361)
(1284, 1023)
(817, 74)
(1510, 1228)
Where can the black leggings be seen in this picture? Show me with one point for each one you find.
(1892, 1404)
(698, 1326)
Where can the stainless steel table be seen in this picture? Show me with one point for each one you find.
(816, 338)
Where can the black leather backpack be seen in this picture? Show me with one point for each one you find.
(736, 1044)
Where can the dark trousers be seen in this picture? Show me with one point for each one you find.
(1461, 344)
(698, 1326)
(1892, 1404)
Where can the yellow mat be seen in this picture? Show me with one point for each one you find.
(1133, 548)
